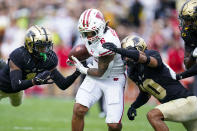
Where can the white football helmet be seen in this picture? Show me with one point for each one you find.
(91, 25)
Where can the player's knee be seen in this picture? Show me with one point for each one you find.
(115, 126)
(154, 114)
(15, 104)
(80, 110)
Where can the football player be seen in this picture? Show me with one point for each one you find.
(188, 27)
(32, 64)
(153, 77)
(106, 75)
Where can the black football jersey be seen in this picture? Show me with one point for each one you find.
(23, 59)
(157, 81)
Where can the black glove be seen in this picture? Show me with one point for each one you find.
(131, 113)
(110, 46)
(42, 78)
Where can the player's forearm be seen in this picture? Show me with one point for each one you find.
(17, 83)
(188, 73)
(138, 56)
(141, 100)
(134, 54)
(64, 82)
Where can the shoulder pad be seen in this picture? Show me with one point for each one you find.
(20, 56)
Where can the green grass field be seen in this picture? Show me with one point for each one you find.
(54, 114)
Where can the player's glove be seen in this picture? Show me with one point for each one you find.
(132, 113)
(79, 66)
(70, 62)
(42, 78)
(110, 46)
(194, 53)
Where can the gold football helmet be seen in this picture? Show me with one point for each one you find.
(133, 41)
(38, 41)
(188, 15)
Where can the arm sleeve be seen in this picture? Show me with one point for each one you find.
(156, 55)
(63, 82)
(134, 54)
(188, 73)
(17, 83)
(142, 98)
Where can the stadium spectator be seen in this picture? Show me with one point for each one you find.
(106, 75)
(153, 77)
(135, 13)
(32, 64)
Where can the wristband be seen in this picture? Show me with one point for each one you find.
(178, 77)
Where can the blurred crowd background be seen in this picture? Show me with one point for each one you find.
(154, 20)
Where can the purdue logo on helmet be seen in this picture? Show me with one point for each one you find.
(133, 41)
(188, 15)
(38, 41)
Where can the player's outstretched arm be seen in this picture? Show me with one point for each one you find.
(142, 98)
(134, 54)
(61, 81)
(188, 73)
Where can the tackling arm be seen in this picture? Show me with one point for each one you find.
(188, 73)
(134, 54)
(138, 56)
(63, 82)
(142, 98)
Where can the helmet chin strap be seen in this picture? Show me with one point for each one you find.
(44, 56)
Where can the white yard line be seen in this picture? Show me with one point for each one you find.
(23, 128)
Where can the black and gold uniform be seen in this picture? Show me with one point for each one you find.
(153, 77)
(32, 64)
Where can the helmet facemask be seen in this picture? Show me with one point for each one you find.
(41, 49)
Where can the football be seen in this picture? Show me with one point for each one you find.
(80, 52)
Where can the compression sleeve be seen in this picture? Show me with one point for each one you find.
(142, 98)
(134, 54)
(62, 82)
(17, 83)
(188, 73)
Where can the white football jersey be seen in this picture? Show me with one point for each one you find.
(96, 50)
